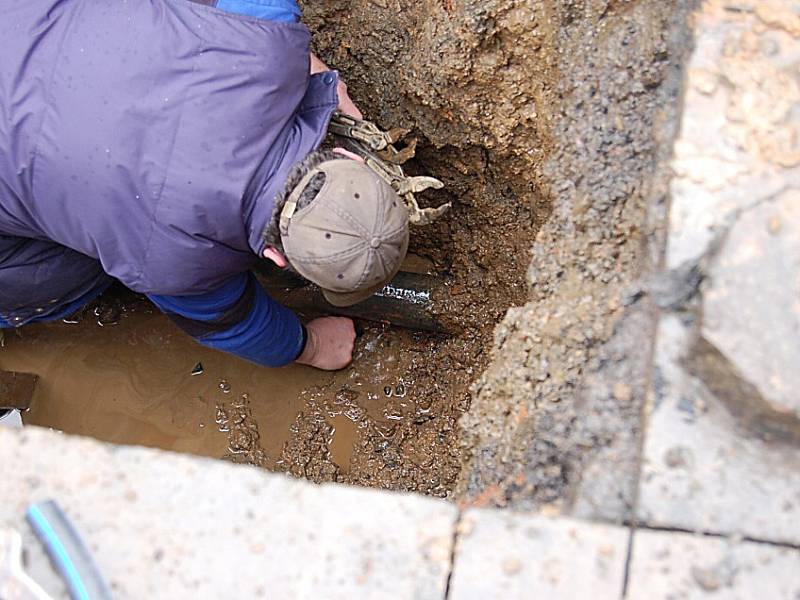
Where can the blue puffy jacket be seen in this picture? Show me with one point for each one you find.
(145, 141)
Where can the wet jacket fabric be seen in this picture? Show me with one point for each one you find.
(145, 141)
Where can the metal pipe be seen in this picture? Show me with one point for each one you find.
(406, 301)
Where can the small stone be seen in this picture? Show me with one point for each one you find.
(622, 392)
(708, 579)
(466, 526)
(677, 456)
(512, 566)
(257, 548)
(606, 550)
(225, 387)
(704, 81)
(198, 369)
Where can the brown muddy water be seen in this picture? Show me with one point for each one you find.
(122, 372)
(131, 381)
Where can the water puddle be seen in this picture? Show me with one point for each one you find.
(139, 380)
(342, 441)
(123, 373)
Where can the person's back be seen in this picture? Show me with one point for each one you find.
(135, 132)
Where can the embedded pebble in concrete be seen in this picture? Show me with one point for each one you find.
(668, 565)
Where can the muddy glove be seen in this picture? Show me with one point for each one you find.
(377, 149)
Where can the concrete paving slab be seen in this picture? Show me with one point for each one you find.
(751, 311)
(669, 565)
(502, 554)
(722, 440)
(736, 147)
(735, 206)
(163, 525)
(702, 470)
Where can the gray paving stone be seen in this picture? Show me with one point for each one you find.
(735, 148)
(163, 525)
(722, 437)
(751, 307)
(501, 554)
(678, 566)
(701, 470)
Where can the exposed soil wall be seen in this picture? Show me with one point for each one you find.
(526, 108)
(555, 420)
(541, 118)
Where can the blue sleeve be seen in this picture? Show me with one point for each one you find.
(271, 10)
(239, 318)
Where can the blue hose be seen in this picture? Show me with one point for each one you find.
(67, 551)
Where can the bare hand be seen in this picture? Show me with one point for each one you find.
(330, 343)
(346, 105)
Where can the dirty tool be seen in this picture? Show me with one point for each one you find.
(377, 149)
(16, 390)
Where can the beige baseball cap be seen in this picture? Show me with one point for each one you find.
(351, 239)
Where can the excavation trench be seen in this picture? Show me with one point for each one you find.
(546, 121)
(122, 372)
